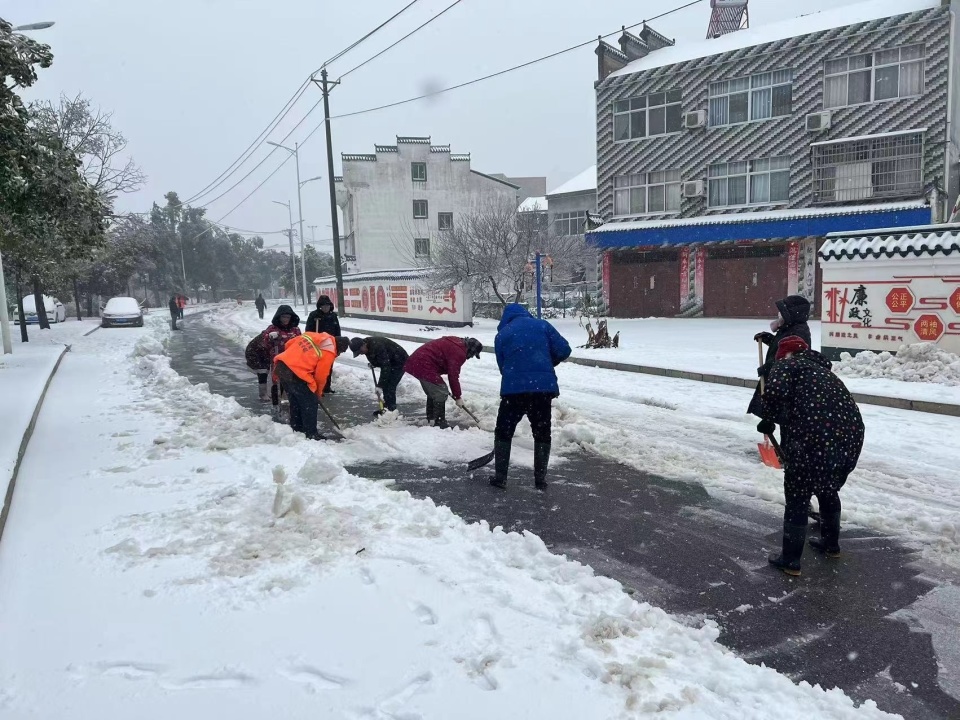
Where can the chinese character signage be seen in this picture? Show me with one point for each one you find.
(879, 304)
(401, 299)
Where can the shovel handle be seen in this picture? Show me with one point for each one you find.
(760, 356)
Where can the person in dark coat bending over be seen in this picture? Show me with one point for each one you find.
(527, 352)
(821, 435)
(324, 320)
(793, 313)
(441, 357)
(385, 354)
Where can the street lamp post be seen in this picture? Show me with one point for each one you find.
(4, 313)
(293, 255)
(295, 151)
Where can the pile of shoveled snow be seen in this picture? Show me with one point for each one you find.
(923, 362)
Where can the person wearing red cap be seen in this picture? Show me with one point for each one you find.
(821, 435)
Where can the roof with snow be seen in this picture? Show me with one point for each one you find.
(794, 27)
(764, 225)
(533, 203)
(587, 180)
(893, 243)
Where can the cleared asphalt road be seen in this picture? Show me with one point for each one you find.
(673, 545)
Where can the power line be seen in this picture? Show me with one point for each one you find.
(515, 67)
(453, 87)
(368, 35)
(257, 142)
(266, 157)
(412, 32)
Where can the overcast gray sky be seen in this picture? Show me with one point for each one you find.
(191, 83)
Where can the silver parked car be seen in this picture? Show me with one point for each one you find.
(120, 312)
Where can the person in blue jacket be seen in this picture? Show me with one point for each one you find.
(527, 352)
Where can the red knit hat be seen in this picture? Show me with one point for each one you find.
(791, 344)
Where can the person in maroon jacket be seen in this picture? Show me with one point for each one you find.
(441, 357)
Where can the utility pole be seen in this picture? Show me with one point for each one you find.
(325, 85)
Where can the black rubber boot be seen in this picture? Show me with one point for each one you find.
(541, 458)
(430, 411)
(440, 416)
(788, 560)
(829, 541)
(501, 449)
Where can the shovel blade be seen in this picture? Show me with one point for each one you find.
(768, 455)
(480, 461)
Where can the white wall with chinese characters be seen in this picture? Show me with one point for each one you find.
(878, 304)
(401, 296)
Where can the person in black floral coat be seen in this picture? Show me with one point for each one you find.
(821, 435)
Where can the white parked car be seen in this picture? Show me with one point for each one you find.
(56, 312)
(121, 311)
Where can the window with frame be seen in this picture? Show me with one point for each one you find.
(419, 171)
(756, 97)
(749, 182)
(647, 116)
(420, 210)
(421, 248)
(880, 75)
(445, 221)
(569, 223)
(881, 167)
(643, 193)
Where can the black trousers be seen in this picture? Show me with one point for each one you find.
(536, 406)
(260, 310)
(390, 377)
(798, 489)
(303, 401)
(173, 318)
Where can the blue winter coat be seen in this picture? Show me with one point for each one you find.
(527, 350)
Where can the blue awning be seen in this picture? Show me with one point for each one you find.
(775, 225)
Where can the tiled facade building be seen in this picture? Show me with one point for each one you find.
(723, 163)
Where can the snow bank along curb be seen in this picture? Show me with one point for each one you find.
(27, 434)
(882, 400)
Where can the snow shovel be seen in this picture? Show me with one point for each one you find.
(769, 448)
(377, 389)
(479, 462)
(330, 418)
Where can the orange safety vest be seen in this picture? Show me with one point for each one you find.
(310, 357)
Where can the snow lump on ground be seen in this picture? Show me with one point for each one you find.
(922, 362)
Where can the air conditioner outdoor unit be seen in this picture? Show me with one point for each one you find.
(818, 121)
(693, 189)
(695, 119)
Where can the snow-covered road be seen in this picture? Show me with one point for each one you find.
(906, 485)
(151, 568)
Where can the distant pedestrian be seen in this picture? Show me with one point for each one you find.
(821, 436)
(390, 358)
(430, 361)
(261, 305)
(302, 369)
(174, 312)
(792, 316)
(324, 320)
(527, 351)
(181, 304)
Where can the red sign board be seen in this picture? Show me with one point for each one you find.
(698, 276)
(684, 276)
(793, 267)
(900, 300)
(929, 328)
(605, 277)
(954, 301)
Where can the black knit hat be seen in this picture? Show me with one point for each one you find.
(355, 344)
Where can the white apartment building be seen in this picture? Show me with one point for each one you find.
(397, 200)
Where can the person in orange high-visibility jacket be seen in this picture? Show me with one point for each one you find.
(302, 370)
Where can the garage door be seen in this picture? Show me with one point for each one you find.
(645, 284)
(744, 281)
